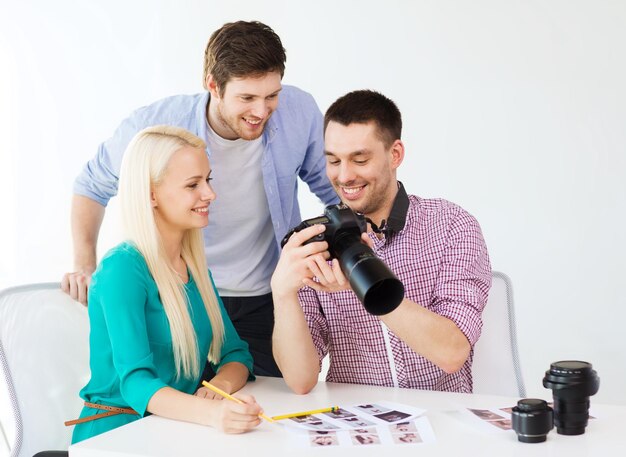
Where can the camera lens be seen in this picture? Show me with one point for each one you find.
(572, 383)
(532, 420)
(372, 281)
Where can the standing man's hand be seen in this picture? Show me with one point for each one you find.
(87, 216)
(76, 284)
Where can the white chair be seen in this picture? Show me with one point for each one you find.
(44, 362)
(496, 368)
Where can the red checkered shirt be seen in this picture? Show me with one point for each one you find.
(441, 258)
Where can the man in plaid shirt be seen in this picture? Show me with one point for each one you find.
(433, 246)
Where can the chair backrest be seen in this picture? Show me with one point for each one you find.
(44, 360)
(496, 368)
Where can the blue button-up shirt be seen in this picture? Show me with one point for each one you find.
(293, 147)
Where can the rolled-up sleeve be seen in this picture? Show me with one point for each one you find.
(99, 177)
(313, 170)
(465, 277)
(315, 320)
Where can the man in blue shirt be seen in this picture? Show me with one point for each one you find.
(261, 136)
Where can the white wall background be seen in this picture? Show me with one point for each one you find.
(516, 110)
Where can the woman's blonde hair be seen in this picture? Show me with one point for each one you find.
(144, 165)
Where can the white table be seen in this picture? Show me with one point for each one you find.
(156, 436)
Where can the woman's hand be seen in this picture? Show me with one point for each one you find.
(231, 417)
(225, 415)
(232, 371)
(203, 392)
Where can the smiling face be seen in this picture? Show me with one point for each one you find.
(181, 200)
(242, 108)
(361, 168)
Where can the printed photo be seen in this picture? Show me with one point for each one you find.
(373, 409)
(360, 431)
(403, 427)
(392, 416)
(363, 439)
(321, 425)
(486, 415)
(339, 414)
(356, 422)
(504, 424)
(303, 419)
(405, 438)
(323, 439)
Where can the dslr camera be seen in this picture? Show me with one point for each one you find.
(372, 281)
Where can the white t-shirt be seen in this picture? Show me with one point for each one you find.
(239, 240)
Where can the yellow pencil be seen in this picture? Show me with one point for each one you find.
(219, 391)
(307, 413)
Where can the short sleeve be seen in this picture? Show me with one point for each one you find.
(100, 176)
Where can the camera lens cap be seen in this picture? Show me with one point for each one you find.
(571, 368)
(570, 372)
(529, 405)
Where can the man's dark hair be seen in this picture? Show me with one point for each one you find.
(363, 106)
(240, 49)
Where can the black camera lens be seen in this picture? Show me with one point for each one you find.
(532, 420)
(572, 383)
(372, 281)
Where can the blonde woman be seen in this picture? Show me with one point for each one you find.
(154, 313)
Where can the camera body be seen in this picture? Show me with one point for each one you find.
(340, 222)
(372, 281)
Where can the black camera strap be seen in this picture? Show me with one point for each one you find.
(383, 226)
(397, 218)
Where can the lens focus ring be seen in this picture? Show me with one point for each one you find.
(532, 419)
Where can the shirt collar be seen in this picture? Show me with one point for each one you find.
(201, 120)
(203, 123)
(397, 218)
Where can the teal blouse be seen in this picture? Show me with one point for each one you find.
(130, 343)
